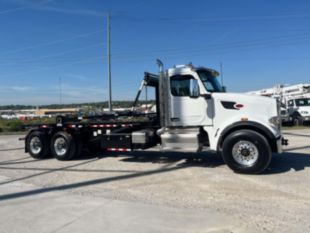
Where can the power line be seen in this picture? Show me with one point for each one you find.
(28, 6)
(235, 44)
(13, 10)
(52, 42)
(119, 12)
(213, 19)
(211, 49)
(53, 55)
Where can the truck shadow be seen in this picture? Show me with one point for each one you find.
(288, 161)
(183, 159)
(11, 149)
(280, 163)
(86, 183)
(21, 161)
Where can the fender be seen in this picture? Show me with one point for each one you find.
(249, 125)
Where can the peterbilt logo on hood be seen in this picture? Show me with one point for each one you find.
(232, 105)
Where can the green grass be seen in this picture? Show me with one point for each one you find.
(16, 125)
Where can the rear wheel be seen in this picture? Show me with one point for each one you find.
(63, 146)
(37, 145)
(246, 151)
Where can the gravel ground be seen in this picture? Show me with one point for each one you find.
(276, 201)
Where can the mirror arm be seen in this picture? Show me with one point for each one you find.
(206, 96)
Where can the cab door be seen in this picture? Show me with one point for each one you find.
(184, 109)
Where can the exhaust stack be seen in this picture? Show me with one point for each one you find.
(163, 94)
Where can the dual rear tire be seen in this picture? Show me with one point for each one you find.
(37, 144)
(62, 145)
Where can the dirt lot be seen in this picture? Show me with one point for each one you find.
(150, 192)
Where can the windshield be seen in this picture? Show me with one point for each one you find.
(209, 81)
(302, 102)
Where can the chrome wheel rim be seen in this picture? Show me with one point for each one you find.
(35, 145)
(60, 146)
(245, 153)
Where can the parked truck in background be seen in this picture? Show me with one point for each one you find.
(299, 109)
(193, 114)
(295, 101)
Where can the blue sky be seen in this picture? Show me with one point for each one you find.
(260, 43)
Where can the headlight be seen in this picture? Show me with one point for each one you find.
(304, 112)
(275, 121)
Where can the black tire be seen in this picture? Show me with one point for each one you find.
(242, 145)
(67, 148)
(298, 121)
(35, 140)
(79, 148)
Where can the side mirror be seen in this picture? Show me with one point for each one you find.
(194, 89)
(224, 88)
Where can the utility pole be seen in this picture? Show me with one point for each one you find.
(109, 61)
(60, 91)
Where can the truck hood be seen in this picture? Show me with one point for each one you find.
(246, 105)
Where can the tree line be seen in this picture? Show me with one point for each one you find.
(115, 104)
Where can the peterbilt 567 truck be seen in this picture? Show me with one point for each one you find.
(193, 114)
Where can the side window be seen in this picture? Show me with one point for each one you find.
(180, 84)
(291, 103)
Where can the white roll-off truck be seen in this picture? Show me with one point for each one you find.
(193, 114)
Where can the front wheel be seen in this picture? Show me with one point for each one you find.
(246, 151)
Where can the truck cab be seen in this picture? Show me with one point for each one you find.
(299, 109)
(189, 89)
(196, 114)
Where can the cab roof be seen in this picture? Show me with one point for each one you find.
(180, 68)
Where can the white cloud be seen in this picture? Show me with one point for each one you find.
(20, 88)
(75, 76)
